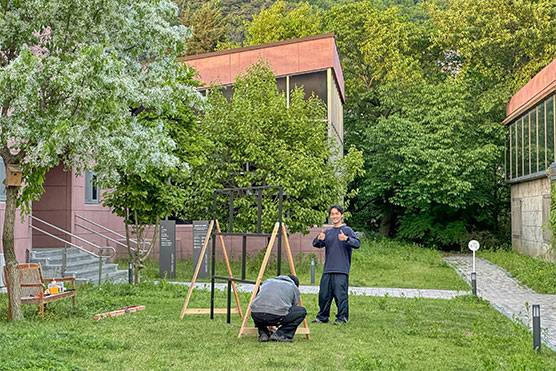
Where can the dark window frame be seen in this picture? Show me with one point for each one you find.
(92, 191)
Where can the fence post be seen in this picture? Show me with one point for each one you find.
(313, 270)
(100, 267)
(64, 259)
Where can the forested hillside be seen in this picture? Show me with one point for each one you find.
(227, 19)
(426, 86)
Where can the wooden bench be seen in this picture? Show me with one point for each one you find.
(33, 288)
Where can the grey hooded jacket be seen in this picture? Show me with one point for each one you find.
(276, 296)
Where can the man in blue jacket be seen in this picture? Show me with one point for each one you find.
(277, 304)
(334, 283)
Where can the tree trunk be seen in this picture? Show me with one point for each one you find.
(385, 226)
(136, 271)
(8, 244)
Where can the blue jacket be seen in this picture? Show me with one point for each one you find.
(337, 255)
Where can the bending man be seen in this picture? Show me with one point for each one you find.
(277, 304)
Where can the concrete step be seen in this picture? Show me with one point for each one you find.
(115, 277)
(92, 270)
(73, 262)
(55, 253)
(79, 264)
(51, 271)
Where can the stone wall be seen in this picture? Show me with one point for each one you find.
(530, 215)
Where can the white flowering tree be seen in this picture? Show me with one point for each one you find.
(144, 196)
(69, 72)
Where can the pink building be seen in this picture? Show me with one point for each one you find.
(312, 62)
(73, 203)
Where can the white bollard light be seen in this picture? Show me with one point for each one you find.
(474, 246)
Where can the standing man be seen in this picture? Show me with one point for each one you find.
(334, 283)
(277, 304)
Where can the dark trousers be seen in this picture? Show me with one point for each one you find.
(287, 324)
(333, 286)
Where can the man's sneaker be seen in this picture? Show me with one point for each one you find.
(280, 338)
(264, 337)
(340, 322)
(316, 320)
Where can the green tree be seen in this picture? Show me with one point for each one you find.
(377, 48)
(436, 163)
(432, 160)
(236, 13)
(283, 21)
(494, 48)
(69, 71)
(323, 4)
(498, 44)
(239, 12)
(258, 139)
(208, 26)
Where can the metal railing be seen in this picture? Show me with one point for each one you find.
(119, 243)
(100, 256)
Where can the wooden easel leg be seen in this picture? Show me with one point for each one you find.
(229, 268)
(292, 269)
(259, 277)
(197, 268)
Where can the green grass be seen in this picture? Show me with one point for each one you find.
(381, 263)
(383, 334)
(534, 273)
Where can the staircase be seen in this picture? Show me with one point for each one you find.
(79, 264)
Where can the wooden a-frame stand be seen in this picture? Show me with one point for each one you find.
(184, 310)
(243, 330)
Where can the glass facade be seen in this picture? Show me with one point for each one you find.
(530, 141)
(314, 82)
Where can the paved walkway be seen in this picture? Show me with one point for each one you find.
(506, 294)
(367, 291)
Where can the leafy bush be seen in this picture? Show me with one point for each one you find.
(488, 241)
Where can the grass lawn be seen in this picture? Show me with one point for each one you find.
(381, 263)
(383, 334)
(533, 273)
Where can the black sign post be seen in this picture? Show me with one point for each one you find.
(167, 256)
(200, 229)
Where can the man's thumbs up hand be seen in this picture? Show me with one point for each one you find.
(342, 236)
(321, 235)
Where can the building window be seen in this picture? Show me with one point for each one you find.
(91, 188)
(314, 82)
(550, 139)
(2, 180)
(530, 141)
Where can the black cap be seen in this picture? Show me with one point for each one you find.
(294, 279)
